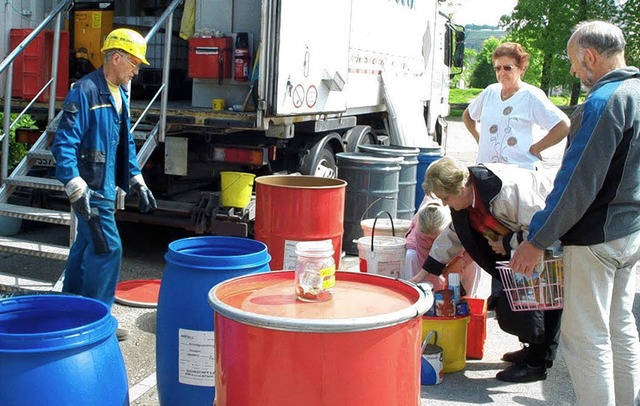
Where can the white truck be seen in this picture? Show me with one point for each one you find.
(328, 75)
(300, 80)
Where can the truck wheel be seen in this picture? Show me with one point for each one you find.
(359, 135)
(324, 164)
(320, 160)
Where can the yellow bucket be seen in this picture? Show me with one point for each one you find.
(452, 337)
(236, 189)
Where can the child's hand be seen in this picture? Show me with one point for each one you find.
(419, 277)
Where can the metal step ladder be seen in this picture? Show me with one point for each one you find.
(39, 156)
(24, 177)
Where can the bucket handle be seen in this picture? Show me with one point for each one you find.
(374, 202)
(373, 231)
(428, 338)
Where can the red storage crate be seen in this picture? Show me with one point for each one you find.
(477, 327)
(32, 68)
(210, 58)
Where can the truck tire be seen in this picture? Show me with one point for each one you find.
(359, 135)
(324, 165)
(320, 160)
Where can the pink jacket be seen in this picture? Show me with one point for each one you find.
(418, 241)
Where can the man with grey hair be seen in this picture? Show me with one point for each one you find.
(594, 209)
(95, 152)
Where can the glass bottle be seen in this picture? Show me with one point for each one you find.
(315, 271)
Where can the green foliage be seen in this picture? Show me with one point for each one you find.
(543, 29)
(17, 150)
(470, 57)
(465, 96)
(461, 96)
(630, 24)
(483, 74)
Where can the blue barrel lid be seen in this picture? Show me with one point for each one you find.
(217, 252)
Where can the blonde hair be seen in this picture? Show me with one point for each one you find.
(433, 218)
(445, 176)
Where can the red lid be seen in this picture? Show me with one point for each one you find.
(138, 292)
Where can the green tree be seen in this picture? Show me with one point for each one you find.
(483, 74)
(546, 26)
(470, 60)
(630, 24)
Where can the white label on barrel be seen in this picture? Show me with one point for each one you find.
(289, 258)
(196, 357)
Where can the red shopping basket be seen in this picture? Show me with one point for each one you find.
(542, 291)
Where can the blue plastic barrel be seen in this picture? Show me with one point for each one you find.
(185, 359)
(60, 350)
(426, 157)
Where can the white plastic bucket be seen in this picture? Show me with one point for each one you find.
(382, 255)
(384, 227)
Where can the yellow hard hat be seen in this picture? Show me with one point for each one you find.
(127, 40)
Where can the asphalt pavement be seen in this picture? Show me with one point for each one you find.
(144, 247)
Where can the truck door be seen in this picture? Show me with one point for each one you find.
(310, 56)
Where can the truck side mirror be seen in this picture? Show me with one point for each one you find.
(458, 57)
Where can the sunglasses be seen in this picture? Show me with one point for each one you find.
(507, 68)
(134, 65)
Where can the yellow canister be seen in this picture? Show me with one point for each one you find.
(218, 104)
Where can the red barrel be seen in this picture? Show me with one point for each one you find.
(360, 348)
(290, 209)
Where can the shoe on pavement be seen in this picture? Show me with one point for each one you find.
(522, 373)
(122, 334)
(516, 357)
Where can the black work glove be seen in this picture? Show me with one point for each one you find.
(146, 201)
(80, 195)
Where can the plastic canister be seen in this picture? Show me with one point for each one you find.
(431, 363)
(454, 286)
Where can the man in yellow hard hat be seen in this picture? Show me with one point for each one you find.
(95, 153)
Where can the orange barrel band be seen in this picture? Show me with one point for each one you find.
(290, 209)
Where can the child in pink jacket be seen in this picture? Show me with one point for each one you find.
(426, 225)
